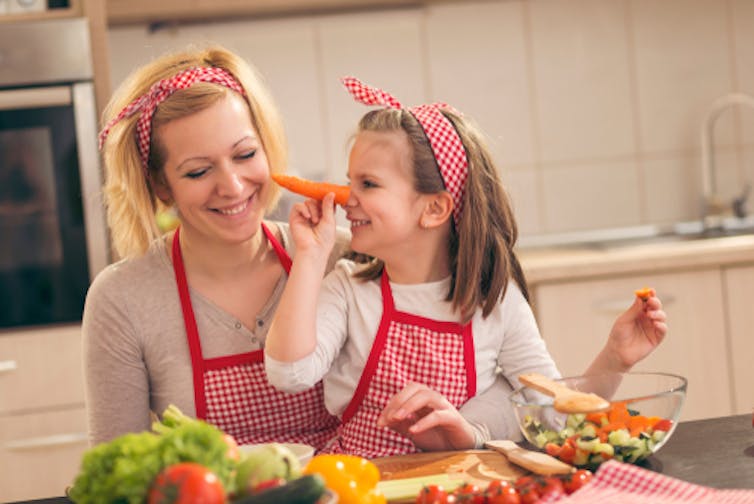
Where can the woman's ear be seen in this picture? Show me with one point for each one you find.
(438, 210)
(161, 190)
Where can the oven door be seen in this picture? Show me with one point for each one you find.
(51, 221)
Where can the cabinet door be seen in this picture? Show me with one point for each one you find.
(575, 319)
(40, 453)
(41, 368)
(739, 296)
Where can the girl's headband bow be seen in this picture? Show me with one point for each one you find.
(158, 93)
(443, 138)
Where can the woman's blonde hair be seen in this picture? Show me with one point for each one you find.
(129, 190)
(480, 248)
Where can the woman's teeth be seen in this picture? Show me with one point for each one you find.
(356, 223)
(234, 210)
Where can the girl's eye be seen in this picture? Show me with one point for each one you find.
(368, 183)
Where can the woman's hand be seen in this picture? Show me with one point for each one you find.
(428, 419)
(313, 225)
(635, 334)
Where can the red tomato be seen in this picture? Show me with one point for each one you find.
(663, 425)
(576, 480)
(186, 483)
(501, 492)
(529, 494)
(469, 493)
(551, 486)
(432, 494)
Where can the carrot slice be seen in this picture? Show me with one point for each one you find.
(311, 189)
(644, 293)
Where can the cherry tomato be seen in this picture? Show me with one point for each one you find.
(186, 483)
(432, 494)
(551, 486)
(577, 480)
(529, 494)
(501, 492)
(469, 493)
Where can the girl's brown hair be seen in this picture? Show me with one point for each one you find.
(481, 253)
(129, 191)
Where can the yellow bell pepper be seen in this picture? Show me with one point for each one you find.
(353, 478)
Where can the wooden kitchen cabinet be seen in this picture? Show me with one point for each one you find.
(738, 285)
(575, 318)
(42, 412)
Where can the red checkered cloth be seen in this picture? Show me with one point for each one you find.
(620, 483)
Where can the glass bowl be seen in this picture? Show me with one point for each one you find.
(643, 414)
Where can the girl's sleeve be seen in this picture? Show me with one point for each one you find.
(332, 324)
(522, 349)
(115, 376)
(490, 414)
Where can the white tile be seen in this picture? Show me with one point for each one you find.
(482, 70)
(590, 196)
(672, 187)
(382, 49)
(522, 186)
(743, 29)
(582, 78)
(682, 64)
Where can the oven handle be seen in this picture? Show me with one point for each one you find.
(52, 96)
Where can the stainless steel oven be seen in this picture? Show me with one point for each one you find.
(53, 239)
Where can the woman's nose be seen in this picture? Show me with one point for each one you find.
(230, 181)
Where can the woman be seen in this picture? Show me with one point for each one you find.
(182, 318)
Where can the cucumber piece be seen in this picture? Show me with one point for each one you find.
(304, 490)
(587, 444)
(575, 420)
(604, 449)
(619, 437)
(588, 431)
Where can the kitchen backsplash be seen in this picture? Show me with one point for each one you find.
(593, 108)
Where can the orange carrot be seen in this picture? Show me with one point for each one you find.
(644, 293)
(311, 189)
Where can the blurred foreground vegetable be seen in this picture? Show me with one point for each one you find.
(353, 478)
(123, 469)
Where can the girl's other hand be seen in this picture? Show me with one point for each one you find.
(313, 225)
(637, 332)
(428, 419)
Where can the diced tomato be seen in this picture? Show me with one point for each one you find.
(552, 449)
(663, 425)
(567, 452)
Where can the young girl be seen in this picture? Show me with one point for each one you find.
(417, 332)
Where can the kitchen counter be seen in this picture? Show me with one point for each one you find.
(570, 262)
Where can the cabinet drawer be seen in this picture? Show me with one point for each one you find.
(41, 368)
(40, 453)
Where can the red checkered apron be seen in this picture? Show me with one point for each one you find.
(407, 348)
(232, 392)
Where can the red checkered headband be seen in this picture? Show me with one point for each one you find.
(443, 137)
(158, 93)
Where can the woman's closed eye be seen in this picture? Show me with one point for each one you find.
(196, 173)
(247, 154)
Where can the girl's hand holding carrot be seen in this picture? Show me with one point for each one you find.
(313, 226)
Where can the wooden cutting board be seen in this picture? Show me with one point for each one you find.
(473, 466)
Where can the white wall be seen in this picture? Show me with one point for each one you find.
(593, 107)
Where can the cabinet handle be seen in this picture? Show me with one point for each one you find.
(8, 365)
(47, 441)
(613, 306)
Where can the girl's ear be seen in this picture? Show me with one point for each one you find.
(438, 210)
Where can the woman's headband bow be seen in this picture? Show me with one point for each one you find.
(159, 92)
(443, 138)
